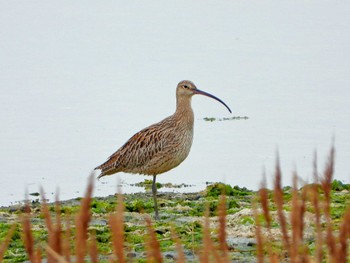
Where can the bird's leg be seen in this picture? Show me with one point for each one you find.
(154, 191)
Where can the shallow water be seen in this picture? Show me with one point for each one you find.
(77, 80)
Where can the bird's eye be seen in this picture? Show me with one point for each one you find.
(185, 86)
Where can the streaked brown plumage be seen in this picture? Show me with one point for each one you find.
(161, 146)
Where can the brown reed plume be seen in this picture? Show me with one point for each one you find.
(261, 241)
(337, 245)
(326, 184)
(223, 248)
(92, 248)
(344, 234)
(58, 248)
(180, 253)
(66, 238)
(209, 253)
(116, 222)
(297, 249)
(28, 238)
(258, 236)
(153, 247)
(278, 198)
(264, 200)
(207, 242)
(82, 220)
(54, 229)
(6, 242)
(55, 256)
(314, 196)
(331, 245)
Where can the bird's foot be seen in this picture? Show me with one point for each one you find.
(156, 216)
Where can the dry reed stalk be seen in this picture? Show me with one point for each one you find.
(302, 210)
(294, 219)
(298, 251)
(54, 230)
(38, 258)
(264, 200)
(6, 242)
(274, 258)
(315, 201)
(208, 246)
(337, 246)
(258, 235)
(223, 248)
(116, 223)
(58, 226)
(93, 249)
(180, 253)
(28, 235)
(278, 198)
(153, 247)
(326, 184)
(206, 239)
(327, 179)
(46, 213)
(82, 220)
(66, 240)
(344, 234)
(57, 257)
(331, 243)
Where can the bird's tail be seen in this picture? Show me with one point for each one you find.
(102, 173)
(105, 170)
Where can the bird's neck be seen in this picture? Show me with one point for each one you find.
(184, 110)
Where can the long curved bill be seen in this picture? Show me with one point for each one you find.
(197, 91)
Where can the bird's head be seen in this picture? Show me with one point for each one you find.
(187, 88)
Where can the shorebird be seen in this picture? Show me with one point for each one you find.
(161, 146)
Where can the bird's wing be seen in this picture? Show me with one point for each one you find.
(138, 150)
